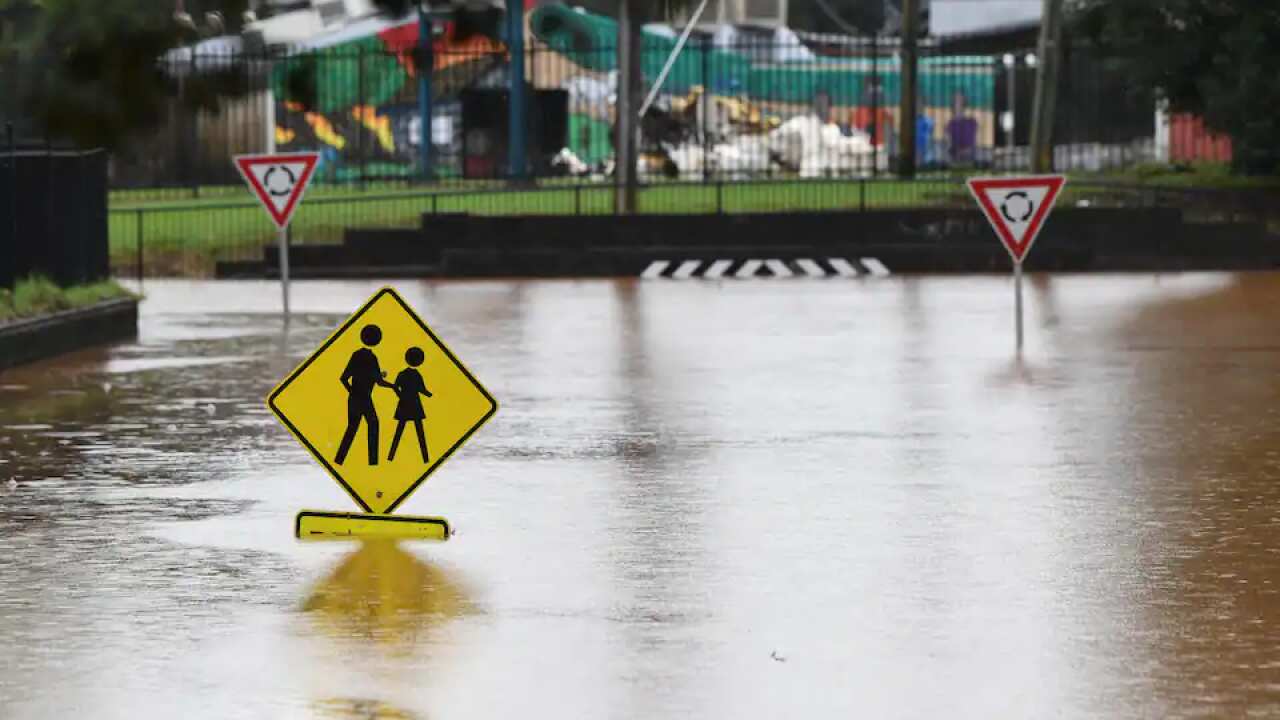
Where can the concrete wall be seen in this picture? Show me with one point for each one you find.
(27, 341)
(904, 241)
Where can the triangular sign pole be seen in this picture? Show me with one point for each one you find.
(279, 180)
(1017, 208)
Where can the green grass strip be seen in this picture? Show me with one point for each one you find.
(38, 295)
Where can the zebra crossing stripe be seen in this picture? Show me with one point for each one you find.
(686, 269)
(811, 268)
(876, 267)
(843, 267)
(655, 269)
(778, 268)
(717, 269)
(748, 269)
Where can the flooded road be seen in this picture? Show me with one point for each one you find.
(821, 499)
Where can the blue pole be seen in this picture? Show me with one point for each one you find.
(425, 67)
(517, 107)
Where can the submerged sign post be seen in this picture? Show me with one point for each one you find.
(382, 374)
(279, 181)
(1017, 207)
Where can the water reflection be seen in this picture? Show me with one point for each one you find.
(387, 595)
(1209, 584)
(690, 482)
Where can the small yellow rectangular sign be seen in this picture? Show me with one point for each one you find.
(315, 525)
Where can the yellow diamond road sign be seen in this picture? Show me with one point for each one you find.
(382, 403)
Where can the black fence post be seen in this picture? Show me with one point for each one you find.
(862, 194)
(705, 105)
(138, 241)
(363, 100)
(51, 214)
(719, 197)
(577, 199)
(9, 248)
(874, 125)
(13, 176)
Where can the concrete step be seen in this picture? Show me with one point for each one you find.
(239, 269)
(321, 272)
(399, 253)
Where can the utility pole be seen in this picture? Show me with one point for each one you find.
(426, 65)
(1048, 68)
(907, 103)
(517, 117)
(626, 150)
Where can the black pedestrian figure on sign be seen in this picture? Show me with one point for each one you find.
(360, 377)
(409, 386)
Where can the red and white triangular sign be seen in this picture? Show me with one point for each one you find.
(1017, 207)
(279, 180)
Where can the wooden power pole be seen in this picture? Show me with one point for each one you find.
(907, 103)
(1048, 68)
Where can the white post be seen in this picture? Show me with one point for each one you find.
(1017, 302)
(1162, 131)
(671, 61)
(1011, 63)
(283, 238)
(269, 117)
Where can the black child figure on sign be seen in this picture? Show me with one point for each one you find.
(409, 385)
(359, 378)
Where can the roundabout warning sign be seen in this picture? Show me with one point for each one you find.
(279, 181)
(1017, 207)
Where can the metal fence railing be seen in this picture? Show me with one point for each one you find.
(745, 121)
(191, 238)
(734, 106)
(187, 237)
(53, 214)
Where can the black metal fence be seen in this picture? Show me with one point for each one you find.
(729, 107)
(191, 238)
(53, 214)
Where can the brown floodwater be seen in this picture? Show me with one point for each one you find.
(761, 499)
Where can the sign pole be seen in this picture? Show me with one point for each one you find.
(283, 237)
(279, 181)
(1017, 207)
(1017, 303)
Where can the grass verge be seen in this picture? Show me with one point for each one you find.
(187, 238)
(1197, 176)
(39, 295)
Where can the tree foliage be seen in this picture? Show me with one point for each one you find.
(91, 71)
(1215, 58)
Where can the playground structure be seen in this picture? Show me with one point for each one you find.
(734, 105)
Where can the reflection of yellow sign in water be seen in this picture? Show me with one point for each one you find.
(382, 403)
(384, 594)
(359, 709)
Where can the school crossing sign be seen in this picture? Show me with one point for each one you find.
(381, 405)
